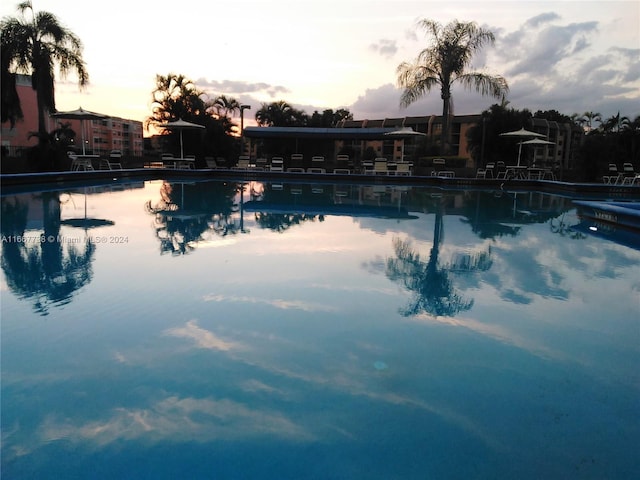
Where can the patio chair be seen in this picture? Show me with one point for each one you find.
(277, 164)
(342, 161)
(168, 160)
(261, 163)
(243, 163)
(627, 172)
(187, 163)
(211, 162)
(380, 166)
(632, 180)
(612, 174)
(114, 161)
(403, 168)
(297, 160)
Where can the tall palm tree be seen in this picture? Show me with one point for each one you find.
(445, 62)
(35, 44)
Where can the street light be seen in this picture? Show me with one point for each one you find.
(242, 109)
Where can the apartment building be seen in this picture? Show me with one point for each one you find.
(100, 136)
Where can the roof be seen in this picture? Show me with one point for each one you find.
(313, 132)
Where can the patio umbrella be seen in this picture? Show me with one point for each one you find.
(536, 142)
(522, 133)
(85, 222)
(180, 125)
(82, 115)
(404, 132)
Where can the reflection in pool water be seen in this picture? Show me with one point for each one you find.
(219, 330)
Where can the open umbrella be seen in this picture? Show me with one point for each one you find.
(537, 141)
(180, 125)
(404, 132)
(82, 115)
(522, 133)
(85, 222)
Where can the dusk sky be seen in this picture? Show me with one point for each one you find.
(572, 56)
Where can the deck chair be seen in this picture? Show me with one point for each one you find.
(403, 168)
(168, 160)
(297, 160)
(261, 163)
(612, 174)
(277, 164)
(243, 163)
(380, 166)
(627, 172)
(114, 162)
(481, 173)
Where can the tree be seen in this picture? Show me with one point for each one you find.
(445, 62)
(328, 118)
(280, 114)
(225, 106)
(484, 140)
(177, 97)
(616, 124)
(553, 116)
(590, 117)
(35, 45)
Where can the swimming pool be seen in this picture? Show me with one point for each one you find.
(218, 329)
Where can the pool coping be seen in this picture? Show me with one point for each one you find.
(22, 181)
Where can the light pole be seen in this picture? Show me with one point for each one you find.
(242, 109)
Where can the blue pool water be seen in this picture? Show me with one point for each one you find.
(185, 330)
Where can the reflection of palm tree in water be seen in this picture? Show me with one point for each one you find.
(43, 270)
(433, 290)
(186, 211)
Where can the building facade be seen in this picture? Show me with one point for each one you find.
(100, 136)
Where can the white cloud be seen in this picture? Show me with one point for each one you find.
(201, 337)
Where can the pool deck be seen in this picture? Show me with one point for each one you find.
(12, 183)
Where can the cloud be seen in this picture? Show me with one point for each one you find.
(238, 87)
(543, 18)
(201, 337)
(176, 419)
(273, 302)
(542, 52)
(385, 47)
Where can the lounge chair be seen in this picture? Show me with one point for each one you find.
(297, 160)
(114, 162)
(243, 163)
(380, 166)
(187, 163)
(403, 168)
(168, 160)
(261, 163)
(612, 174)
(277, 164)
(481, 173)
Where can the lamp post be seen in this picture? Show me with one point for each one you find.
(242, 109)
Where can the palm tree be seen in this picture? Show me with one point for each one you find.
(174, 97)
(444, 63)
(224, 106)
(35, 45)
(590, 117)
(616, 124)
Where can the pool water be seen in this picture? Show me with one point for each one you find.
(196, 330)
